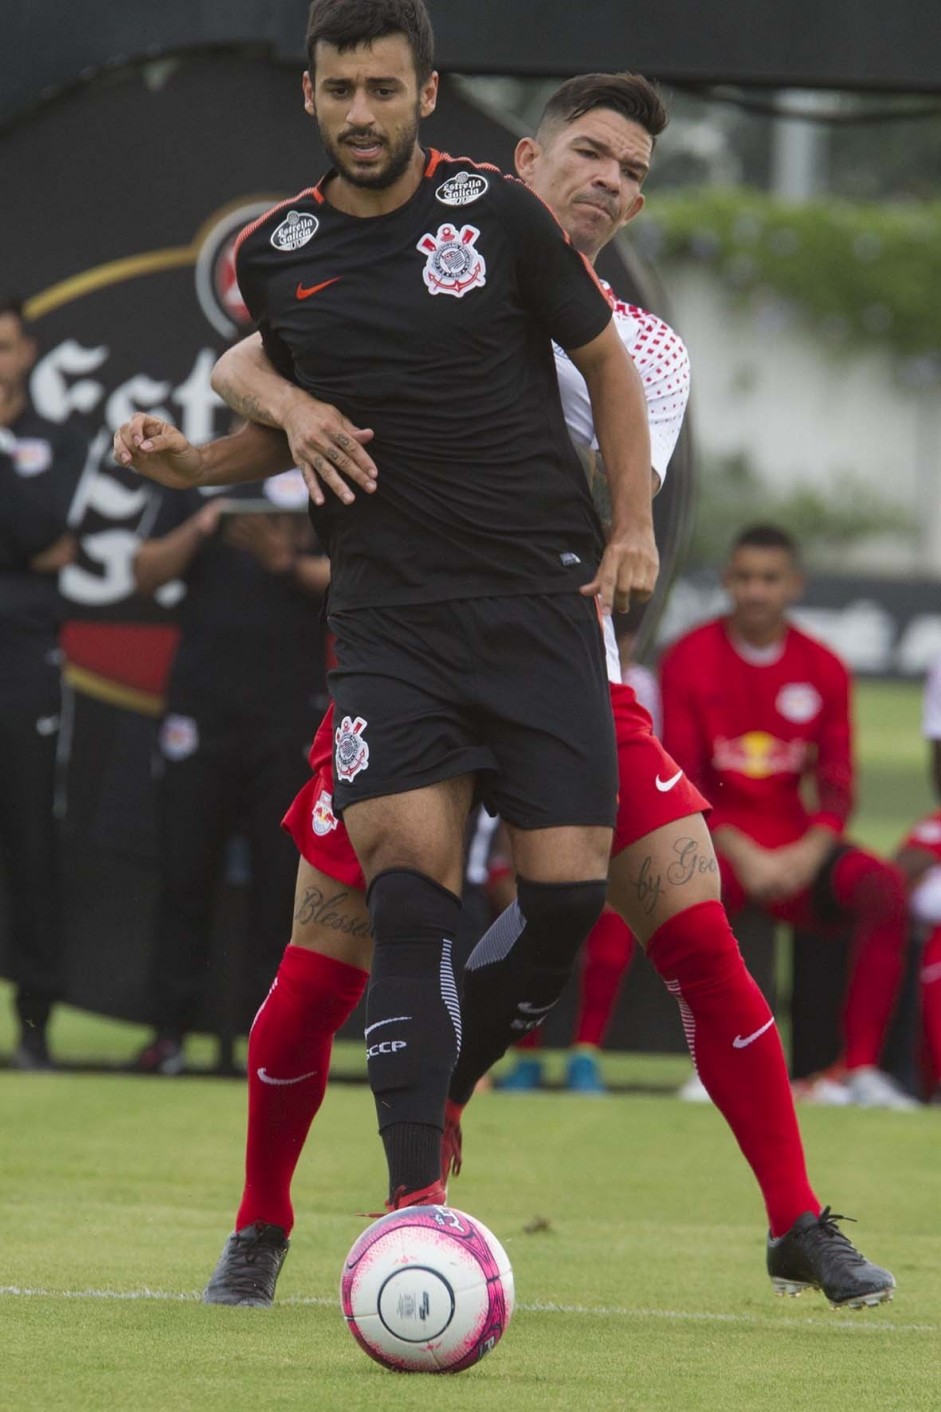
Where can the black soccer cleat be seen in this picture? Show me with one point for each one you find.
(815, 1254)
(248, 1267)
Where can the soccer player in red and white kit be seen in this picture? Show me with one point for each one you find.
(588, 159)
(753, 709)
(919, 857)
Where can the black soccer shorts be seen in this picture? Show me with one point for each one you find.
(510, 689)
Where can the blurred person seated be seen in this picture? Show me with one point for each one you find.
(919, 858)
(757, 712)
(246, 687)
(931, 723)
(40, 467)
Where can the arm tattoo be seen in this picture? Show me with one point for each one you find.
(247, 406)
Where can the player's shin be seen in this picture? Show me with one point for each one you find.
(518, 971)
(737, 1050)
(413, 1022)
(288, 1061)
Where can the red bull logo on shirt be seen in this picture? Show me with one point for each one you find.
(760, 755)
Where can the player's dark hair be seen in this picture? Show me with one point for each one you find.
(631, 95)
(11, 305)
(347, 23)
(766, 537)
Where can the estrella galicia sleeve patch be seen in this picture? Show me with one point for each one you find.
(462, 189)
(297, 228)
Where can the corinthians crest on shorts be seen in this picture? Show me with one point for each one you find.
(351, 753)
(454, 264)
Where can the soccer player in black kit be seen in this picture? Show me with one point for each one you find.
(464, 588)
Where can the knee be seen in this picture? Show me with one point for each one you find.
(559, 916)
(875, 888)
(407, 906)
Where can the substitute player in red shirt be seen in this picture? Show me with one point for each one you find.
(919, 857)
(753, 710)
(588, 159)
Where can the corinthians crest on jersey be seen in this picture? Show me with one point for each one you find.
(454, 265)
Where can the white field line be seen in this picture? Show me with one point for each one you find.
(863, 1323)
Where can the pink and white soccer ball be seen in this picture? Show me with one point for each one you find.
(427, 1290)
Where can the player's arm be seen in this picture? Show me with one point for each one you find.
(160, 451)
(914, 863)
(325, 445)
(619, 410)
(168, 556)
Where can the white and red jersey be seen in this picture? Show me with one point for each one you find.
(660, 357)
(931, 716)
(924, 900)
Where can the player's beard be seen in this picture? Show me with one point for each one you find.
(399, 151)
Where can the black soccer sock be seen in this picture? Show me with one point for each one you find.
(413, 1019)
(518, 971)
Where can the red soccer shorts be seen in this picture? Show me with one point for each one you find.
(653, 791)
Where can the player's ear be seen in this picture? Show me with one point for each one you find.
(525, 157)
(429, 96)
(635, 210)
(308, 93)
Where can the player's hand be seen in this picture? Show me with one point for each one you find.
(55, 556)
(158, 450)
(766, 876)
(328, 450)
(628, 570)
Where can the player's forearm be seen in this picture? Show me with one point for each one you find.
(620, 416)
(735, 845)
(157, 561)
(312, 573)
(251, 453)
(247, 382)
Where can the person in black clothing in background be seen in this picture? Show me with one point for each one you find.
(40, 465)
(245, 685)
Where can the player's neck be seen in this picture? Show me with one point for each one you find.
(752, 639)
(364, 201)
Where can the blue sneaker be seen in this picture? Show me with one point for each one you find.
(525, 1078)
(584, 1076)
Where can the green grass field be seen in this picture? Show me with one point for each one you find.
(642, 1288)
(633, 1225)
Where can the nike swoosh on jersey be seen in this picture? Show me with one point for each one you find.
(740, 1043)
(267, 1078)
(305, 293)
(665, 785)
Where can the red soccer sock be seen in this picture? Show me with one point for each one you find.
(608, 952)
(873, 894)
(288, 1062)
(930, 982)
(737, 1050)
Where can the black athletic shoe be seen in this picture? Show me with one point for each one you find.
(248, 1267)
(815, 1254)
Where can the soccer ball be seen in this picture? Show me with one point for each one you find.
(427, 1290)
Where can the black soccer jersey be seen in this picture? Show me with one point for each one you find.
(433, 325)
